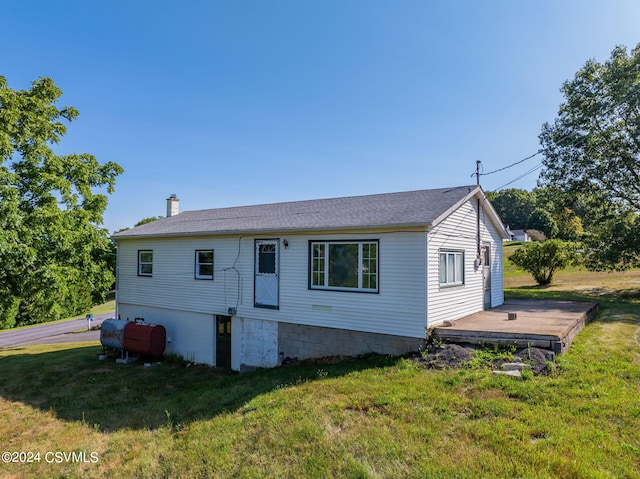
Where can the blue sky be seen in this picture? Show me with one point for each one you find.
(229, 103)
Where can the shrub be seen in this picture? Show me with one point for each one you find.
(536, 235)
(543, 259)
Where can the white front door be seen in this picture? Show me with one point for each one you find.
(266, 274)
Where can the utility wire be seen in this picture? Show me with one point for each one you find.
(634, 92)
(537, 167)
(512, 164)
(571, 144)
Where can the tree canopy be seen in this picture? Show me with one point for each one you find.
(52, 249)
(592, 156)
(514, 206)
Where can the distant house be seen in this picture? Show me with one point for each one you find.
(248, 286)
(520, 235)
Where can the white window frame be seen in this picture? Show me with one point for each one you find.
(363, 276)
(453, 275)
(145, 263)
(198, 264)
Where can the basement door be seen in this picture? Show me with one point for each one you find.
(266, 287)
(223, 342)
(486, 274)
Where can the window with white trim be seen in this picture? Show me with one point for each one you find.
(204, 264)
(145, 262)
(451, 268)
(344, 265)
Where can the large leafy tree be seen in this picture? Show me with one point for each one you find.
(52, 249)
(541, 220)
(592, 155)
(514, 206)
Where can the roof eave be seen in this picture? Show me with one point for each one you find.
(250, 232)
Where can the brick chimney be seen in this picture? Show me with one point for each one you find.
(173, 205)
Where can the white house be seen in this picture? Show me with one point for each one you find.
(248, 286)
(520, 235)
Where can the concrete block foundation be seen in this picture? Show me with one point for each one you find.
(304, 342)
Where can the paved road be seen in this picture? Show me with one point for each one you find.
(54, 333)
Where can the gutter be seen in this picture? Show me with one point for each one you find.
(422, 226)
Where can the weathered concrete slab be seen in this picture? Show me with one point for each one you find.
(548, 324)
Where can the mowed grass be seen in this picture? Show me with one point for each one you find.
(373, 417)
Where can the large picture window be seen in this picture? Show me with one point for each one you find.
(145, 262)
(451, 268)
(204, 264)
(344, 265)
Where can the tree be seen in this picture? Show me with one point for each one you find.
(52, 250)
(569, 224)
(144, 221)
(514, 206)
(112, 251)
(592, 152)
(542, 220)
(566, 210)
(543, 259)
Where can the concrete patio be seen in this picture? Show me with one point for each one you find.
(547, 324)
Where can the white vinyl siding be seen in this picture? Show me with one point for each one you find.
(458, 232)
(398, 308)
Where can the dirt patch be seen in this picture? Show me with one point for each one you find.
(442, 356)
(446, 356)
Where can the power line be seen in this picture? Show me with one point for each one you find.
(537, 167)
(512, 164)
(564, 137)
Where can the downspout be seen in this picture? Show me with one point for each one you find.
(478, 239)
(479, 256)
(426, 286)
(117, 277)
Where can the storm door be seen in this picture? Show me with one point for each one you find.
(266, 274)
(486, 274)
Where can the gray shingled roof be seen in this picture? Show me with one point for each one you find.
(410, 208)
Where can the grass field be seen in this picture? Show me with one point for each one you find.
(363, 418)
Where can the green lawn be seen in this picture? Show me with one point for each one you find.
(374, 417)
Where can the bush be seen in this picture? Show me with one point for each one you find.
(536, 235)
(543, 259)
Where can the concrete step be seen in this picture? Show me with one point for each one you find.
(513, 373)
(514, 366)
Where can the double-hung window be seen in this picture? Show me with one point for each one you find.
(451, 268)
(344, 265)
(145, 262)
(204, 264)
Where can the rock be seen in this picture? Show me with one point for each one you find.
(513, 373)
(535, 357)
